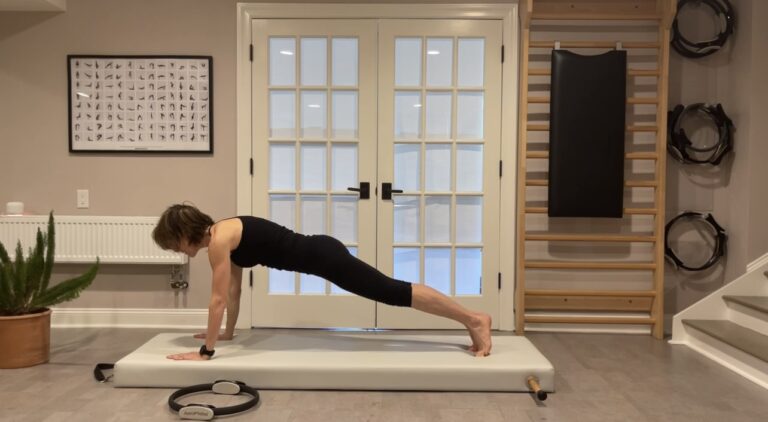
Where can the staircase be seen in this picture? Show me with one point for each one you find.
(730, 326)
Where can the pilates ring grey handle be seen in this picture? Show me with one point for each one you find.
(206, 412)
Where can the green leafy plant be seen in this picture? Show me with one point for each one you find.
(24, 282)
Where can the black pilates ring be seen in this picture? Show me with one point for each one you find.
(721, 239)
(695, 50)
(206, 412)
(679, 145)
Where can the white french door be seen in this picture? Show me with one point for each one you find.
(439, 144)
(387, 105)
(314, 137)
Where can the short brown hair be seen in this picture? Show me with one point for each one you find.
(181, 221)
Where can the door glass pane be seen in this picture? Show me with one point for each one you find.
(313, 214)
(469, 115)
(407, 61)
(469, 219)
(438, 115)
(314, 61)
(313, 118)
(311, 284)
(344, 61)
(343, 167)
(282, 61)
(439, 61)
(437, 168)
(437, 219)
(282, 114)
(344, 217)
(407, 115)
(407, 167)
(344, 114)
(282, 282)
(469, 168)
(282, 166)
(437, 269)
(406, 218)
(313, 160)
(469, 271)
(471, 59)
(406, 262)
(282, 210)
(336, 290)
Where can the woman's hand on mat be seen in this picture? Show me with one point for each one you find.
(222, 336)
(188, 356)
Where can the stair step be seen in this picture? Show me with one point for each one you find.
(734, 335)
(758, 303)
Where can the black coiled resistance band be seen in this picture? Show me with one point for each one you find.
(695, 50)
(680, 146)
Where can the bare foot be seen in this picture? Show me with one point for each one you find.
(480, 332)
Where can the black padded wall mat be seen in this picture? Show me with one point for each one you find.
(586, 136)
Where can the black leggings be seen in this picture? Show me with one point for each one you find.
(326, 257)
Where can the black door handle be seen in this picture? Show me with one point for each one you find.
(387, 191)
(364, 189)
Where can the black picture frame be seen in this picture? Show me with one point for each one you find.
(140, 103)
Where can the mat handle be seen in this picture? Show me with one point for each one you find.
(533, 384)
(98, 371)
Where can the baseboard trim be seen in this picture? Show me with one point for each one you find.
(129, 318)
(757, 263)
(587, 329)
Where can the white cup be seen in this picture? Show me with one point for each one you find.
(14, 208)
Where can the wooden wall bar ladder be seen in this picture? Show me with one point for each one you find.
(592, 302)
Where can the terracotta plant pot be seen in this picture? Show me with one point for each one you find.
(25, 339)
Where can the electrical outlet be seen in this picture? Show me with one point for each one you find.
(82, 198)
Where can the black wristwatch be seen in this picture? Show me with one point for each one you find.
(205, 352)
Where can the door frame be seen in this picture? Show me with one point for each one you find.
(507, 13)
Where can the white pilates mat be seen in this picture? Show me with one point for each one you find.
(332, 360)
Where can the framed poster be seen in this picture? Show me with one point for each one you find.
(140, 103)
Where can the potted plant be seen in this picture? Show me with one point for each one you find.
(25, 298)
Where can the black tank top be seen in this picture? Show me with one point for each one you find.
(264, 242)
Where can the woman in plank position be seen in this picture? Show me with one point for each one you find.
(246, 241)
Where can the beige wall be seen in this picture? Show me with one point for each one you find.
(36, 167)
(734, 192)
(758, 135)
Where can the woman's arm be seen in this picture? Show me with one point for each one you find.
(233, 304)
(218, 255)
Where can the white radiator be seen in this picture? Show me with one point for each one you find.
(80, 239)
